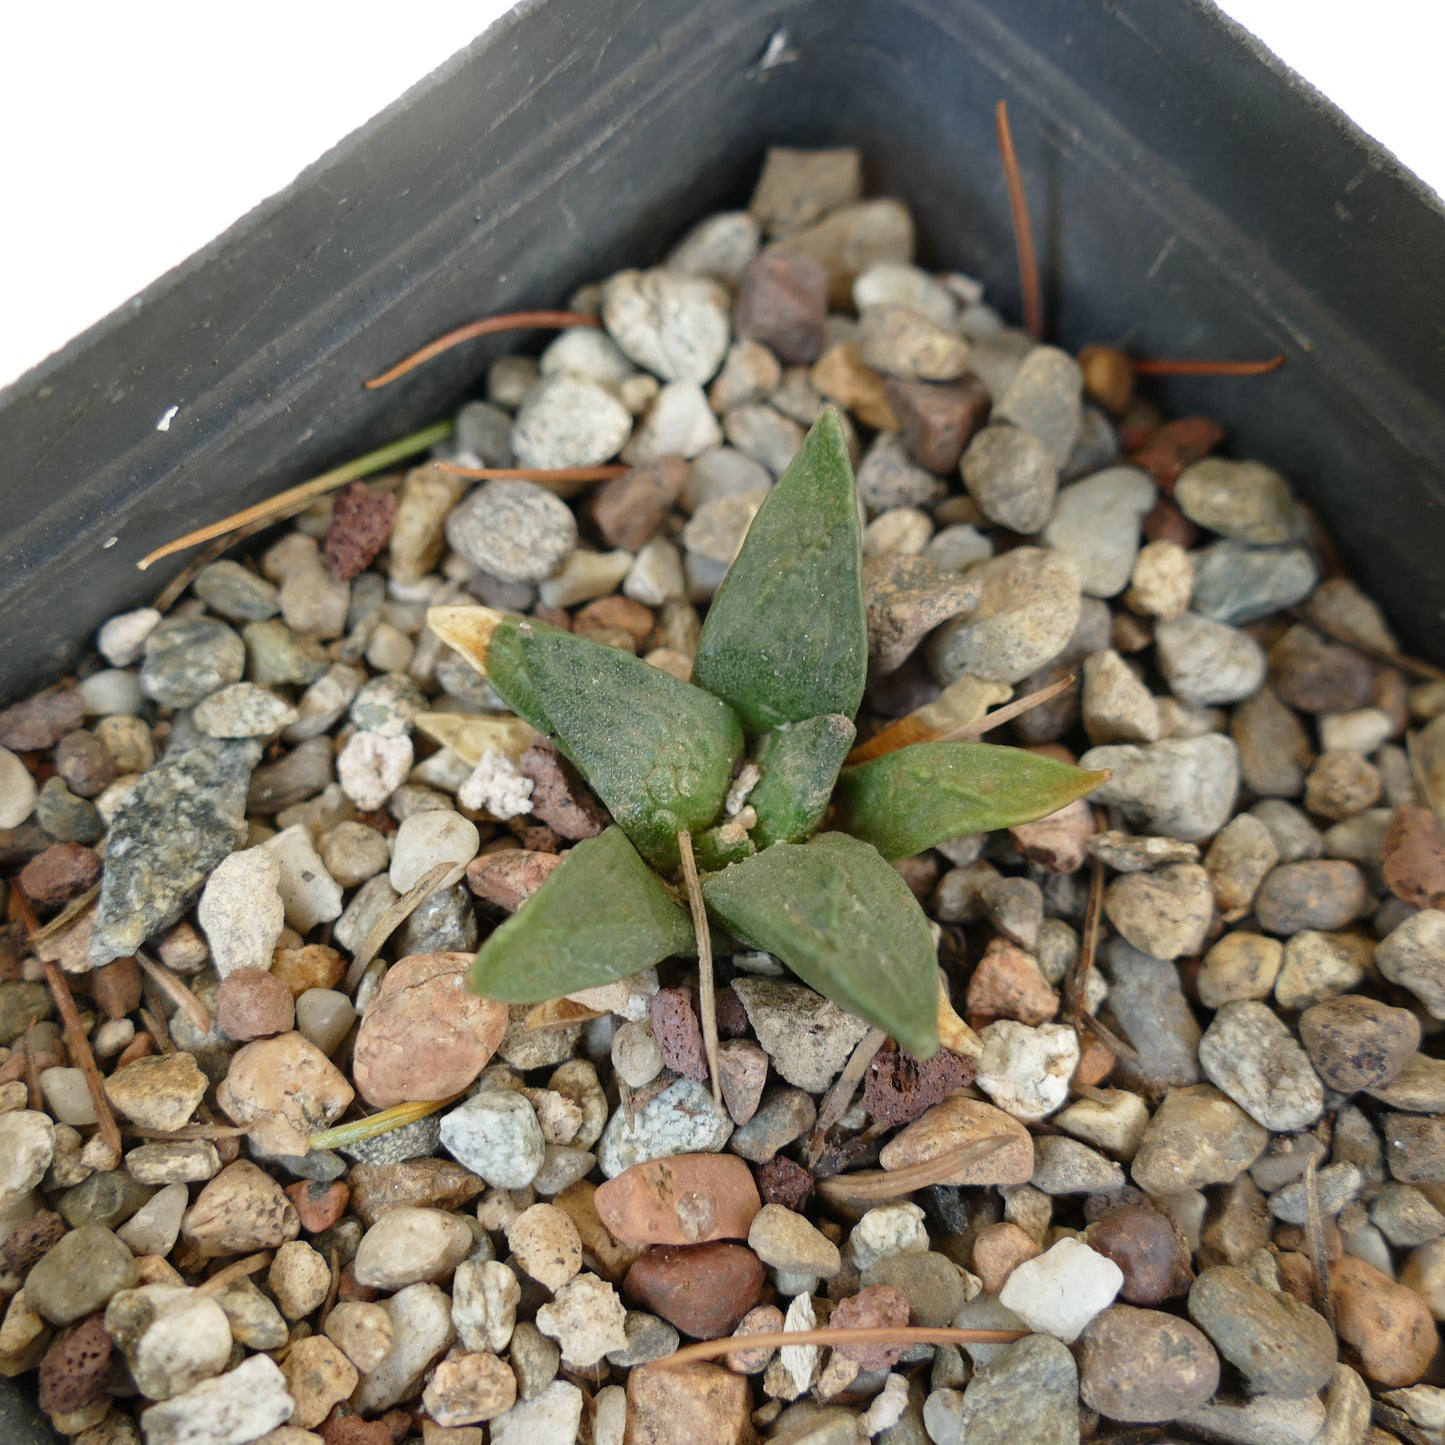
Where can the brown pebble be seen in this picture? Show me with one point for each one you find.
(319, 1205)
(76, 1368)
(616, 611)
(698, 1403)
(678, 1034)
(1341, 784)
(1008, 984)
(1385, 1324)
(1108, 377)
(560, 798)
(683, 1199)
(938, 420)
(1317, 677)
(1058, 843)
(1142, 1366)
(630, 508)
(1414, 856)
(703, 1289)
(509, 877)
(377, 1189)
(841, 375)
(1320, 894)
(998, 1250)
(1148, 1249)
(360, 526)
(41, 721)
(240, 1211)
(62, 872)
(254, 1004)
(782, 301)
(353, 1430)
(1164, 522)
(314, 966)
(954, 1123)
(142, 1046)
(1174, 446)
(1358, 1043)
(898, 1087)
(85, 763)
(760, 1320)
(783, 1181)
(880, 1306)
(116, 988)
(29, 1242)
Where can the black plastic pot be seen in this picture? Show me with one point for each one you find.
(1191, 195)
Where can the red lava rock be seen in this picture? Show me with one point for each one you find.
(318, 1205)
(76, 1368)
(898, 1087)
(1414, 857)
(84, 763)
(683, 1199)
(678, 1033)
(424, 1036)
(41, 721)
(702, 1289)
(783, 1181)
(630, 508)
(62, 872)
(1164, 522)
(880, 1306)
(252, 1003)
(116, 988)
(1149, 1250)
(361, 523)
(30, 1242)
(1008, 984)
(1176, 445)
(560, 798)
(732, 1017)
(353, 1430)
(510, 877)
(782, 301)
(938, 420)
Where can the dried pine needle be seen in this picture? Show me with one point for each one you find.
(340, 1135)
(488, 326)
(1033, 295)
(1184, 366)
(707, 995)
(870, 1185)
(872, 1335)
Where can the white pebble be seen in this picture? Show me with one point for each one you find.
(111, 692)
(371, 768)
(229, 1410)
(121, 638)
(1358, 732)
(390, 649)
(900, 531)
(426, 839)
(309, 893)
(681, 423)
(17, 790)
(1060, 1291)
(112, 1037)
(497, 786)
(154, 1227)
(241, 910)
(1026, 1071)
(325, 1017)
(885, 1231)
(585, 575)
(67, 1096)
(656, 575)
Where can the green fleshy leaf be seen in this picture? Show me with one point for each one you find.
(845, 923)
(799, 764)
(507, 671)
(786, 637)
(658, 751)
(919, 796)
(603, 914)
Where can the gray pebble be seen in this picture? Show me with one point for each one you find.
(1067, 1166)
(1149, 1006)
(901, 342)
(1030, 1391)
(417, 1140)
(889, 477)
(784, 1115)
(929, 1281)
(1406, 1216)
(648, 1338)
(1207, 663)
(1182, 787)
(765, 435)
(672, 325)
(1045, 398)
(1237, 583)
(275, 654)
(446, 922)
(1246, 500)
(807, 1037)
(1197, 1137)
(1320, 894)
(79, 1275)
(236, 592)
(388, 705)
(517, 531)
(1295, 837)
(721, 472)
(1096, 524)
(1126, 853)
(187, 658)
(243, 710)
(682, 1119)
(483, 437)
(1165, 913)
(1250, 1054)
(1012, 476)
(718, 246)
(1338, 1184)
(566, 421)
(496, 1134)
(65, 817)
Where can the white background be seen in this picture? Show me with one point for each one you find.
(134, 131)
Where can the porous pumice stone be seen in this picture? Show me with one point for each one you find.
(316, 1186)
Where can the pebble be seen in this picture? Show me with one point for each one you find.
(41, 721)
(309, 894)
(62, 872)
(1239, 966)
(184, 818)
(1412, 955)
(930, 1285)
(587, 1320)
(1095, 524)
(672, 325)
(807, 1037)
(285, 1089)
(519, 531)
(782, 301)
(1414, 855)
(409, 1245)
(79, 1275)
(785, 1240)
(1386, 1325)
(1026, 613)
(1045, 398)
(1165, 913)
(1238, 860)
(1338, 1184)
(1197, 1137)
(682, 1119)
(700, 1402)
(67, 1096)
(1207, 663)
(1281, 1347)
(901, 342)
(17, 790)
(233, 1408)
(241, 911)
(159, 1093)
(1161, 582)
(172, 1338)
(1241, 499)
(703, 1289)
(683, 1199)
(679, 424)
(425, 839)
(1249, 1053)
(1007, 983)
(423, 1036)
(1141, 1366)
(952, 1125)
(85, 763)
(325, 1017)
(1182, 787)
(65, 817)
(1117, 706)
(1358, 1043)
(1028, 1391)
(188, 658)
(371, 767)
(889, 478)
(1148, 1248)
(27, 1145)
(902, 531)
(496, 1135)
(1061, 1290)
(121, 639)
(1066, 1166)
(1026, 1071)
(1341, 784)
(718, 526)
(764, 435)
(182, 1162)
(421, 1325)
(315, 601)
(1318, 895)
(1012, 476)
(1113, 1121)
(1237, 584)
(1266, 1420)
(784, 1115)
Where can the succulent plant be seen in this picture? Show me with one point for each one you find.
(802, 867)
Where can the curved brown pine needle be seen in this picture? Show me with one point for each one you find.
(533, 474)
(1008, 712)
(277, 506)
(872, 1335)
(872, 1184)
(1033, 295)
(1184, 366)
(488, 326)
(706, 991)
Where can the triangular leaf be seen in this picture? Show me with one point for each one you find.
(918, 796)
(800, 764)
(786, 638)
(490, 641)
(845, 923)
(659, 752)
(603, 914)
